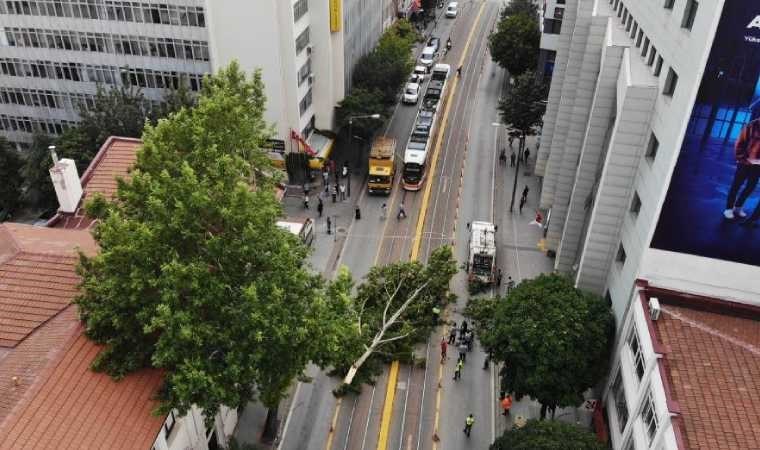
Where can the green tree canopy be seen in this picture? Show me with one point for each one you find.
(547, 435)
(38, 187)
(361, 102)
(553, 338)
(515, 43)
(194, 277)
(524, 7)
(10, 174)
(523, 107)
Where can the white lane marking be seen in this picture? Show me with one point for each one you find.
(350, 421)
(369, 416)
(287, 418)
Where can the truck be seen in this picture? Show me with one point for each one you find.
(382, 165)
(303, 228)
(481, 259)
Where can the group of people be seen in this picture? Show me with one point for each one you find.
(337, 190)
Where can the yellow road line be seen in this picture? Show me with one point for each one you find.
(385, 422)
(333, 423)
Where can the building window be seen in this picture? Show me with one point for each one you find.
(634, 29)
(305, 103)
(636, 353)
(171, 420)
(304, 72)
(625, 15)
(652, 55)
(306, 132)
(620, 257)
(652, 146)
(302, 40)
(621, 407)
(639, 38)
(645, 48)
(635, 203)
(670, 82)
(689, 14)
(658, 66)
(300, 8)
(629, 23)
(123, 11)
(649, 416)
(669, 4)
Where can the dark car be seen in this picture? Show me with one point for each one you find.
(434, 42)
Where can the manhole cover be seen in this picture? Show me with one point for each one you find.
(341, 230)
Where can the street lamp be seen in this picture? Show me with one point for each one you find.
(517, 168)
(350, 141)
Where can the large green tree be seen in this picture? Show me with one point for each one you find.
(393, 310)
(10, 174)
(361, 102)
(547, 435)
(194, 277)
(553, 338)
(515, 43)
(525, 7)
(522, 109)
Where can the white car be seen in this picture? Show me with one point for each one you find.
(416, 79)
(428, 56)
(420, 71)
(411, 93)
(451, 10)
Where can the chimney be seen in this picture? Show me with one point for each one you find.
(65, 178)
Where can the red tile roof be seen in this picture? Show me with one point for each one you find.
(712, 360)
(49, 397)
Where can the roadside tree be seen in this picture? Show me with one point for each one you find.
(194, 277)
(515, 44)
(10, 174)
(553, 338)
(547, 435)
(361, 102)
(38, 188)
(515, 7)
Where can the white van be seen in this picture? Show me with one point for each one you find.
(303, 228)
(451, 10)
(428, 56)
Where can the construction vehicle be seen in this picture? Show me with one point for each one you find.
(382, 165)
(481, 260)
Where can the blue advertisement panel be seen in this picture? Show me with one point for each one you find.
(712, 207)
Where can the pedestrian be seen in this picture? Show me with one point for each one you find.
(384, 211)
(436, 314)
(329, 222)
(345, 169)
(462, 350)
(468, 340)
(401, 212)
(320, 207)
(525, 192)
(325, 176)
(459, 71)
(306, 188)
(357, 212)
(334, 193)
(342, 191)
(512, 159)
(503, 156)
(458, 370)
(523, 201)
(511, 140)
(506, 404)
(526, 153)
(453, 333)
(306, 201)
(510, 284)
(444, 347)
(487, 361)
(498, 278)
(468, 423)
(463, 330)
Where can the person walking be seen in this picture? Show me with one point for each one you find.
(468, 340)
(462, 350)
(506, 404)
(401, 212)
(444, 347)
(498, 278)
(510, 284)
(459, 71)
(384, 211)
(320, 206)
(334, 193)
(526, 154)
(329, 223)
(468, 423)
(342, 191)
(525, 192)
(458, 370)
(512, 159)
(325, 176)
(523, 201)
(453, 333)
(306, 201)
(463, 330)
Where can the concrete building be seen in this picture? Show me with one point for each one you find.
(647, 159)
(53, 55)
(552, 14)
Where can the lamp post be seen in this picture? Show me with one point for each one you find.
(350, 142)
(520, 147)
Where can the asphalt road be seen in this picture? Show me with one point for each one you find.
(464, 189)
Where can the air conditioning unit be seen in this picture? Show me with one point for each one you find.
(654, 308)
(311, 79)
(309, 49)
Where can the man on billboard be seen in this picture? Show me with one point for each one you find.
(747, 170)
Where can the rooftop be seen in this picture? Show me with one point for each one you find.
(712, 360)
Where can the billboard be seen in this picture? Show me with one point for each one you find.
(712, 207)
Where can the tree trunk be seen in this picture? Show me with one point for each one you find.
(553, 410)
(271, 425)
(355, 366)
(543, 411)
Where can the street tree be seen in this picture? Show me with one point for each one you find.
(10, 174)
(515, 44)
(481, 310)
(515, 7)
(553, 338)
(194, 277)
(523, 107)
(387, 67)
(393, 309)
(361, 102)
(38, 188)
(547, 435)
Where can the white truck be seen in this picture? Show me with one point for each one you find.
(303, 228)
(481, 259)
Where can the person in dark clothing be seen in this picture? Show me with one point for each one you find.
(329, 222)
(526, 154)
(747, 153)
(453, 333)
(462, 347)
(523, 200)
(463, 329)
(334, 193)
(498, 278)
(512, 159)
(525, 192)
(320, 207)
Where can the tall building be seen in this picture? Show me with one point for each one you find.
(552, 12)
(650, 161)
(54, 54)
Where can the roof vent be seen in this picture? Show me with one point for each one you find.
(65, 178)
(654, 308)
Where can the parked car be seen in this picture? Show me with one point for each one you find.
(421, 71)
(411, 94)
(428, 56)
(416, 79)
(452, 9)
(434, 42)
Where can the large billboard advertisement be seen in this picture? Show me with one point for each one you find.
(712, 208)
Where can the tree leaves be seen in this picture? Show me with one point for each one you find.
(515, 44)
(10, 174)
(547, 435)
(523, 108)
